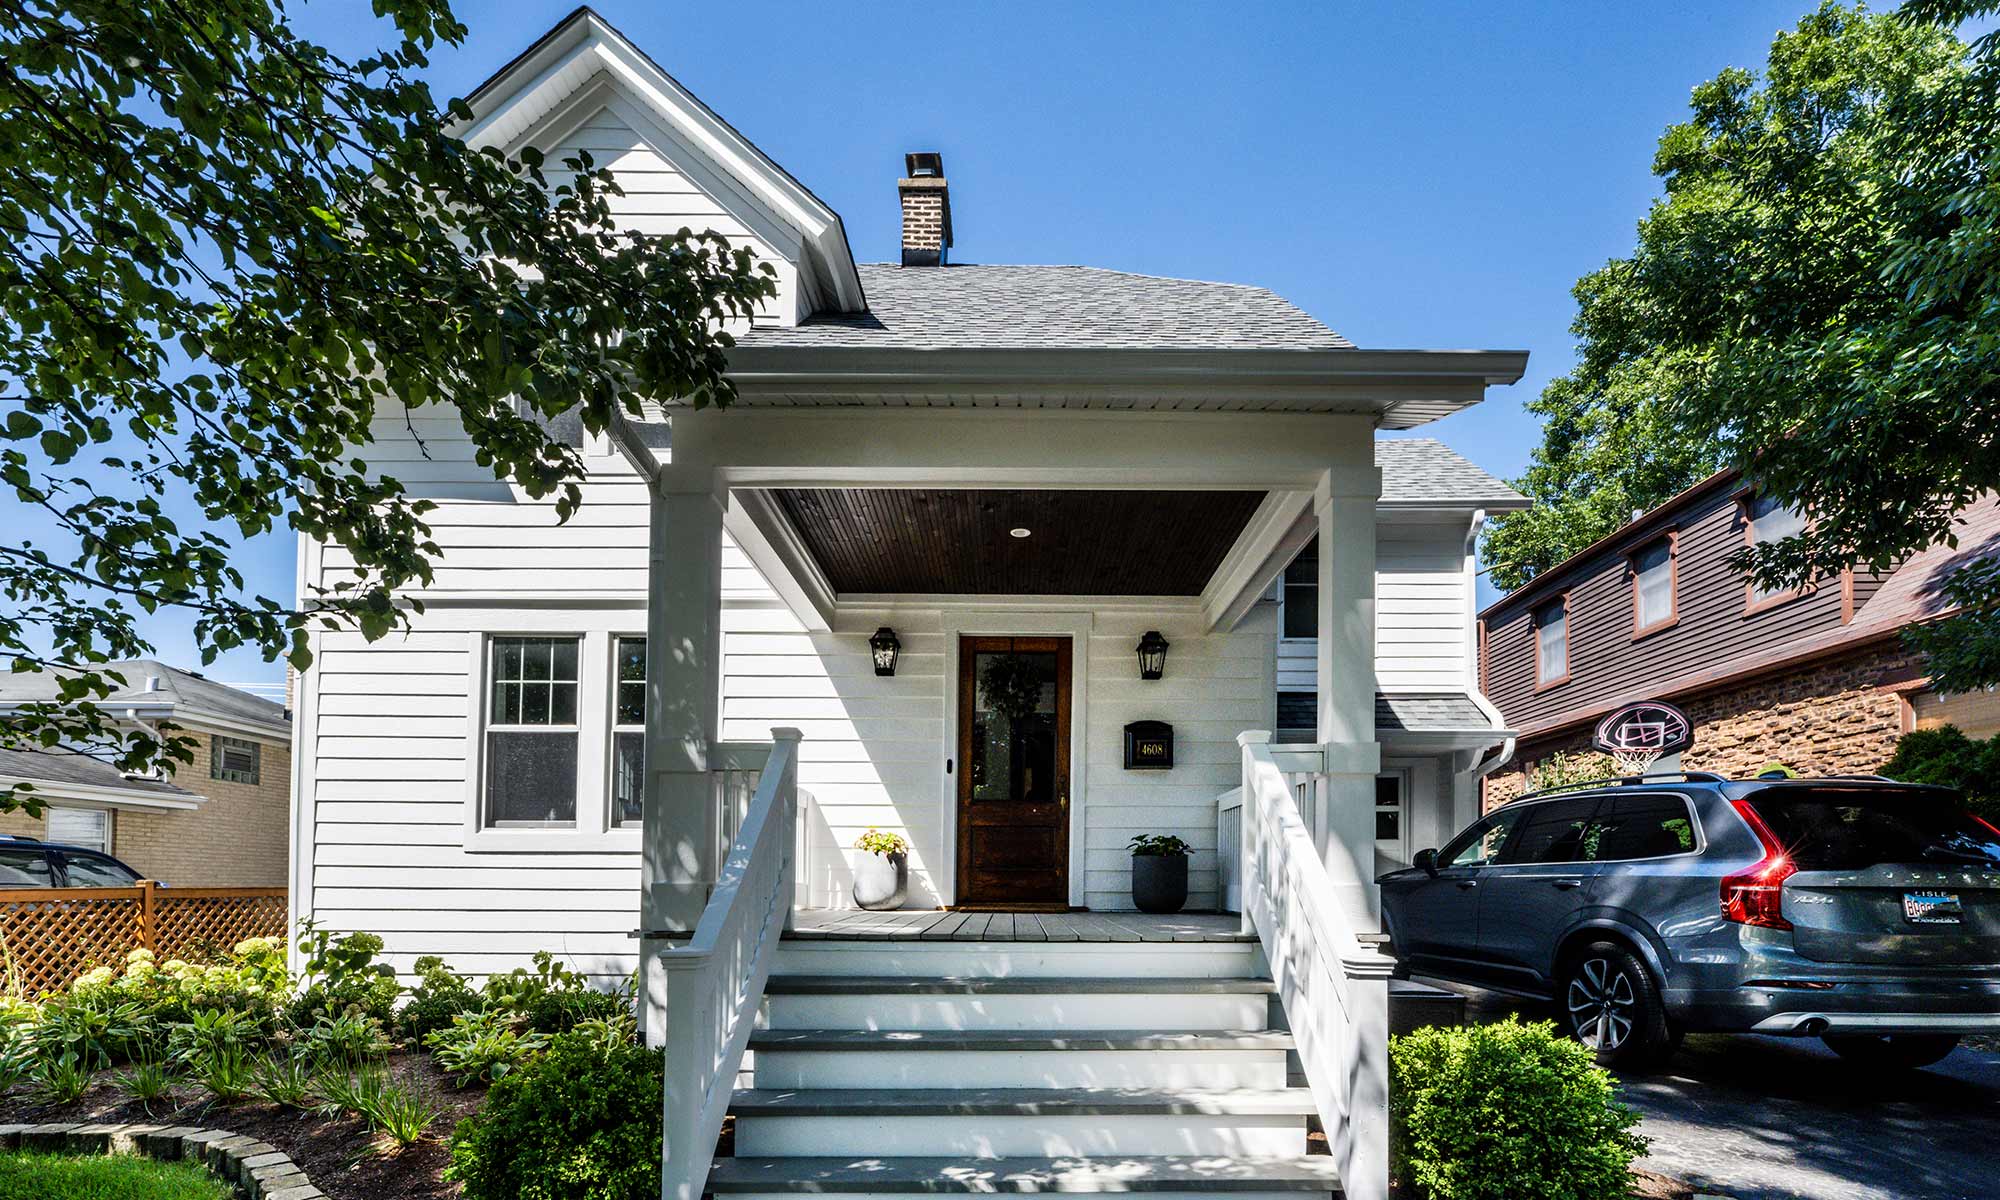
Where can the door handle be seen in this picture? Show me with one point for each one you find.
(1466, 885)
(1564, 885)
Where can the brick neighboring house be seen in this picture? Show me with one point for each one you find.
(220, 821)
(1819, 680)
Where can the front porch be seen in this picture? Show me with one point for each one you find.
(1000, 1033)
(854, 925)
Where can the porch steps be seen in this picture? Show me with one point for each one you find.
(959, 1176)
(894, 1071)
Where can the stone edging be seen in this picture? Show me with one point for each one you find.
(257, 1169)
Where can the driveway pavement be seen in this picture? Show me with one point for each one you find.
(1760, 1118)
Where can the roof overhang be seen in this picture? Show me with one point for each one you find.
(85, 795)
(1402, 389)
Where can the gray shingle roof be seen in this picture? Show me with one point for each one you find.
(997, 307)
(1425, 469)
(182, 690)
(1426, 714)
(79, 769)
(1437, 712)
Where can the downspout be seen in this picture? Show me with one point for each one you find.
(1482, 765)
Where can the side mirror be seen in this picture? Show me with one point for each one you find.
(1426, 861)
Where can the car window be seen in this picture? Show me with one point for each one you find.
(1631, 827)
(1551, 832)
(21, 868)
(88, 870)
(1852, 829)
(1477, 845)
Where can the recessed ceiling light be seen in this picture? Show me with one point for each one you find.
(1019, 531)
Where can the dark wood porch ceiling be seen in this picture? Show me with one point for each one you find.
(958, 542)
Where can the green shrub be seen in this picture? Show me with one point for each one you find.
(1946, 757)
(1498, 1112)
(59, 1079)
(560, 1012)
(440, 995)
(484, 1045)
(580, 1123)
(148, 1081)
(341, 976)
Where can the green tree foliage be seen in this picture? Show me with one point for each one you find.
(226, 252)
(1504, 1111)
(1815, 299)
(1948, 758)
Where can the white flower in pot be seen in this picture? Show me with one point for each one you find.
(882, 872)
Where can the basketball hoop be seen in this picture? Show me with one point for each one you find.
(1639, 735)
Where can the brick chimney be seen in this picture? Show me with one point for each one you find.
(926, 209)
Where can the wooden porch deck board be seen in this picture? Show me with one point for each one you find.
(938, 925)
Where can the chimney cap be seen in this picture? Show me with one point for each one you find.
(924, 164)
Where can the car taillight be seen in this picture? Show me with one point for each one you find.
(1754, 897)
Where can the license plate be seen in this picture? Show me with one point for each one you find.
(1932, 908)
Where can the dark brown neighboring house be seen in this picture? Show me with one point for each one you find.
(1818, 680)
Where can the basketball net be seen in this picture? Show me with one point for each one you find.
(1633, 761)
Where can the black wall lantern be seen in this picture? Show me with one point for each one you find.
(1152, 655)
(886, 648)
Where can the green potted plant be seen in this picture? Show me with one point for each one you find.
(1159, 872)
(882, 872)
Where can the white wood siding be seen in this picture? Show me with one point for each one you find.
(1422, 607)
(1423, 610)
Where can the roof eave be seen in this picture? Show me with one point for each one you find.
(1375, 381)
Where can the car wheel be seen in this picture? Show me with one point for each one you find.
(1611, 1004)
(1897, 1051)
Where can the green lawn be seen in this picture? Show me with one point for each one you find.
(124, 1177)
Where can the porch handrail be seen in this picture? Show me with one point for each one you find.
(1334, 986)
(715, 981)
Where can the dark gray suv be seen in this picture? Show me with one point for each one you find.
(1857, 910)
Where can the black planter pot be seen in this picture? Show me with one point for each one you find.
(1159, 882)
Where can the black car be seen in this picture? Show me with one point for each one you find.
(27, 862)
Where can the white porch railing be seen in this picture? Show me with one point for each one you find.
(715, 983)
(1335, 986)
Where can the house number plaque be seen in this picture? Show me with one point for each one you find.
(1149, 746)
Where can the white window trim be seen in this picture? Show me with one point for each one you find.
(612, 729)
(110, 827)
(592, 832)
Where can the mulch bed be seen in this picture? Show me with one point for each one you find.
(344, 1159)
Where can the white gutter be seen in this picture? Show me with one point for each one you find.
(107, 797)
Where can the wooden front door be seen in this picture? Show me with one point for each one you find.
(1013, 772)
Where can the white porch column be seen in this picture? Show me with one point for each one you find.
(683, 700)
(1344, 503)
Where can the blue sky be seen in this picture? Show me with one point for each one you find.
(1414, 175)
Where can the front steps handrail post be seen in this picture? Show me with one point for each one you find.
(1334, 986)
(715, 982)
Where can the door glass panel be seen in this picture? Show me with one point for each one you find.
(1634, 827)
(1014, 727)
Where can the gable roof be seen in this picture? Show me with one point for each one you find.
(584, 50)
(1000, 307)
(181, 695)
(1419, 471)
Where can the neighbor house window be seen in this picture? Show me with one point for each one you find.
(1653, 586)
(1301, 594)
(1769, 520)
(628, 730)
(1552, 643)
(232, 759)
(86, 827)
(531, 732)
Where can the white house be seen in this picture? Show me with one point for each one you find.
(665, 716)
